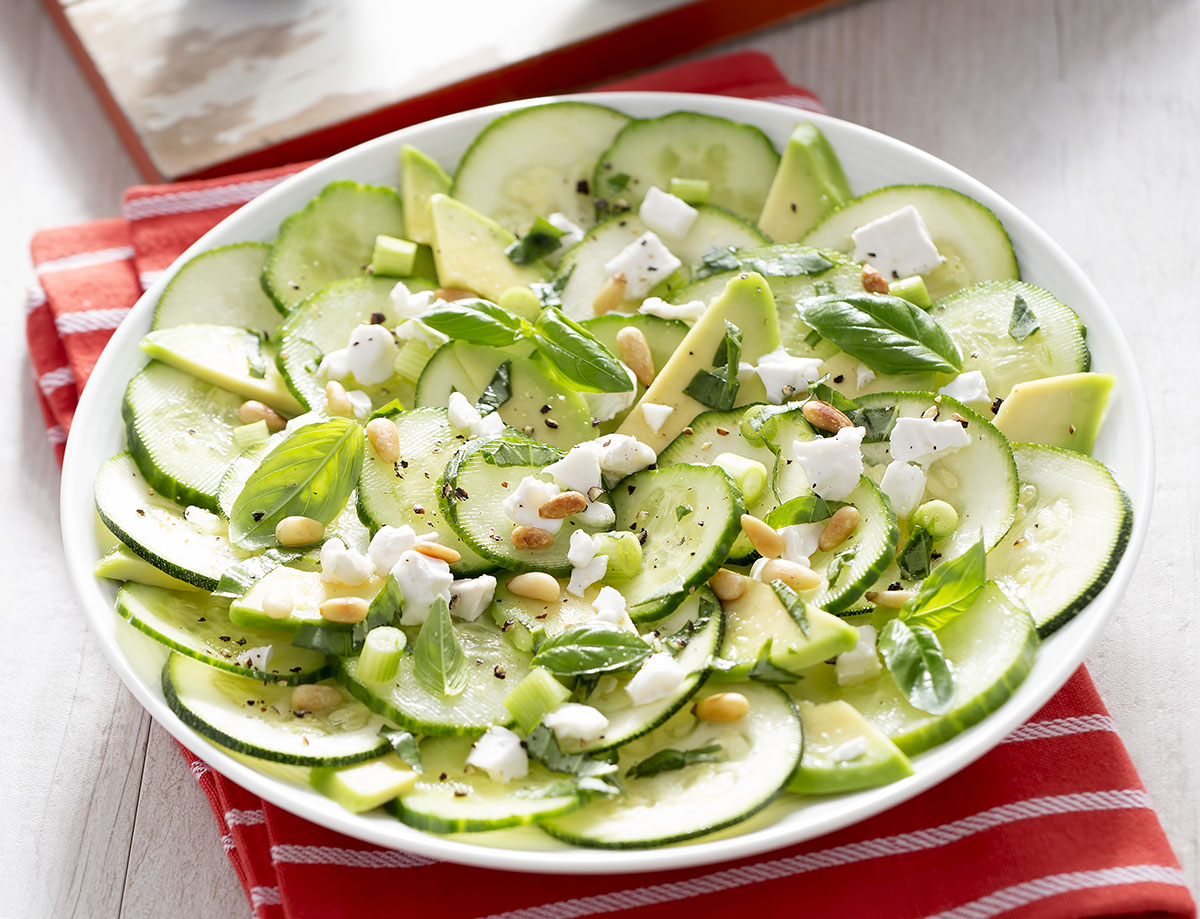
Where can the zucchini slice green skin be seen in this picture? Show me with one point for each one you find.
(876, 537)
(222, 286)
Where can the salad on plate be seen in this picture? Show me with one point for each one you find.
(628, 478)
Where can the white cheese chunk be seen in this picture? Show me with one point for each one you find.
(667, 214)
(851, 749)
(572, 232)
(422, 580)
(904, 485)
(969, 388)
(925, 441)
(416, 330)
(523, 504)
(644, 264)
(688, 312)
(255, 658)
(360, 403)
(861, 662)
(371, 354)
(388, 544)
(499, 753)
(834, 464)
(490, 425)
(335, 365)
(610, 607)
(463, 416)
(469, 597)
(579, 470)
(800, 541)
(340, 565)
(660, 676)
(574, 723)
(656, 415)
(897, 245)
(621, 454)
(203, 520)
(782, 374)
(863, 376)
(588, 567)
(746, 371)
(605, 406)
(408, 305)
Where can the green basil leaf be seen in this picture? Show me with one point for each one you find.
(385, 609)
(618, 181)
(1023, 322)
(338, 642)
(822, 391)
(796, 607)
(577, 354)
(950, 590)
(510, 453)
(888, 334)
(669, 760)
(239, 578)
(548, 291)
(802, 509)
(840, 563)
(405, 746)
(311, 474)
(785, 261)
(878, 422)
(719, 390)
(591, 649)
(541, 240)
(729, 351)
(916, 556)
(476, 321)
(498, 391)
(764, 671)
(682, 510)
(709, 389)
(596, 775)
(256, 362)
(439, 662)
(915, 659)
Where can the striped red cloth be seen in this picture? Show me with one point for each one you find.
(1053, 823)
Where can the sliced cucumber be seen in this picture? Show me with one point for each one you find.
(332, 238)
(472, 497)
(737, 160)
(222, 286)
(406, 492)
(758, 753)
(537, 161)
(662, 335)
(978, 317)
(858, 562)
(583, 265)
(979, 481)
(1072, 527)
(990, 647)
(829, 766)
(324, 322)
(843, 372)
(198, 625)
(232, 358)
(120, 563)
(307, 590)
(154, 527)
(448, 799)
(679, 552)
(527, 622)
(470, 369)
(495, 667)
(970, 237)
(239, 470)
(180, 432)
(257, 718)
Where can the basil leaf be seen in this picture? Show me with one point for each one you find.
(669, 760)
(916, 556)
(1023, 322)
(498, 391)
(542, 239)
(888, 334)
(717, 260)
(708, 388)
(840, 563)
(508, 453)
(311, 474)
(802, 509)
(915, 659)
(577, 355)
(822, 391)
(682, 511)
(719, 390)
(796, 608)
(338, 642)
(618, 181)
(548, 291)
(256, 363)
(950, 590)
(729, 351)
(439, 662)
(764, 671)
(385, 609)
(596, 775)
(239, 578)
(785, 261)
(405, 746)
(878, 422)
(476, 321)
(591, 649)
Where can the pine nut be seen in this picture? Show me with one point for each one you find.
(384, 438)
(313, 697)
(838, 529)
(437, 550)
(873, 281)
(722, 707)
(299, 531)
(635, 352)
(564, 505)
(824, 416)
(454, 293)
(931, 413)
(727, 585)
(253, 410)
(535, 585)
(344, 609)
(610, 296)
(525, 537)
(766, 540)
(890, 599)
(336, 400)
(794, 576)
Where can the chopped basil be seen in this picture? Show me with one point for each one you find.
(405, 746)
(510, 453)
(719, 389)
(682, 511)
(915, 557)
(765, 671)
(618, 181)
(669, 760)
(498, 391)
(840, 563)
(542, 239)
(1023, 322)
(256, 363)
(796, 607)
(802, 509)
(596, 775)
(771, 261)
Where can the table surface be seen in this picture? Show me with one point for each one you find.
(1084, 113)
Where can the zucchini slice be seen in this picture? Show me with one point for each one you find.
(223, 286)
(757, 754)
(858, 562)
(1072, 527)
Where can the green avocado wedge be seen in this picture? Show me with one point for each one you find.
(844, 752)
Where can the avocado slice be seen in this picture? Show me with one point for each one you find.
(365, 786)
(421, 178)
(827, 727)
(1065, 411)
(226, 357)
(757, 617)
(809, 183)
(121, 564)
(746, 303)
(469, 251)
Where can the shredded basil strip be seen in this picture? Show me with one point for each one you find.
(405, 746)
(719, 389)
(796, 607)
(669, 760)
(498, 391)
(542, 239)
(840, 563)
(255, 361)
(239, 578)
(916, 661)
(784, 261)
(1023, 322)
(915, 557)
(766, 671)
(682, 511)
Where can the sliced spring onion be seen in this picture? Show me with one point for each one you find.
(393, 257)
(250, 435)
(624, 553)
(535, 697)
(750, 474)
(381, 652)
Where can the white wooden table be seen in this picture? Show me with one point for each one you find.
(1086, 114)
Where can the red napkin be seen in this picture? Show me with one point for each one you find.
(1052, 823)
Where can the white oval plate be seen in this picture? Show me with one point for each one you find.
(870, 160)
